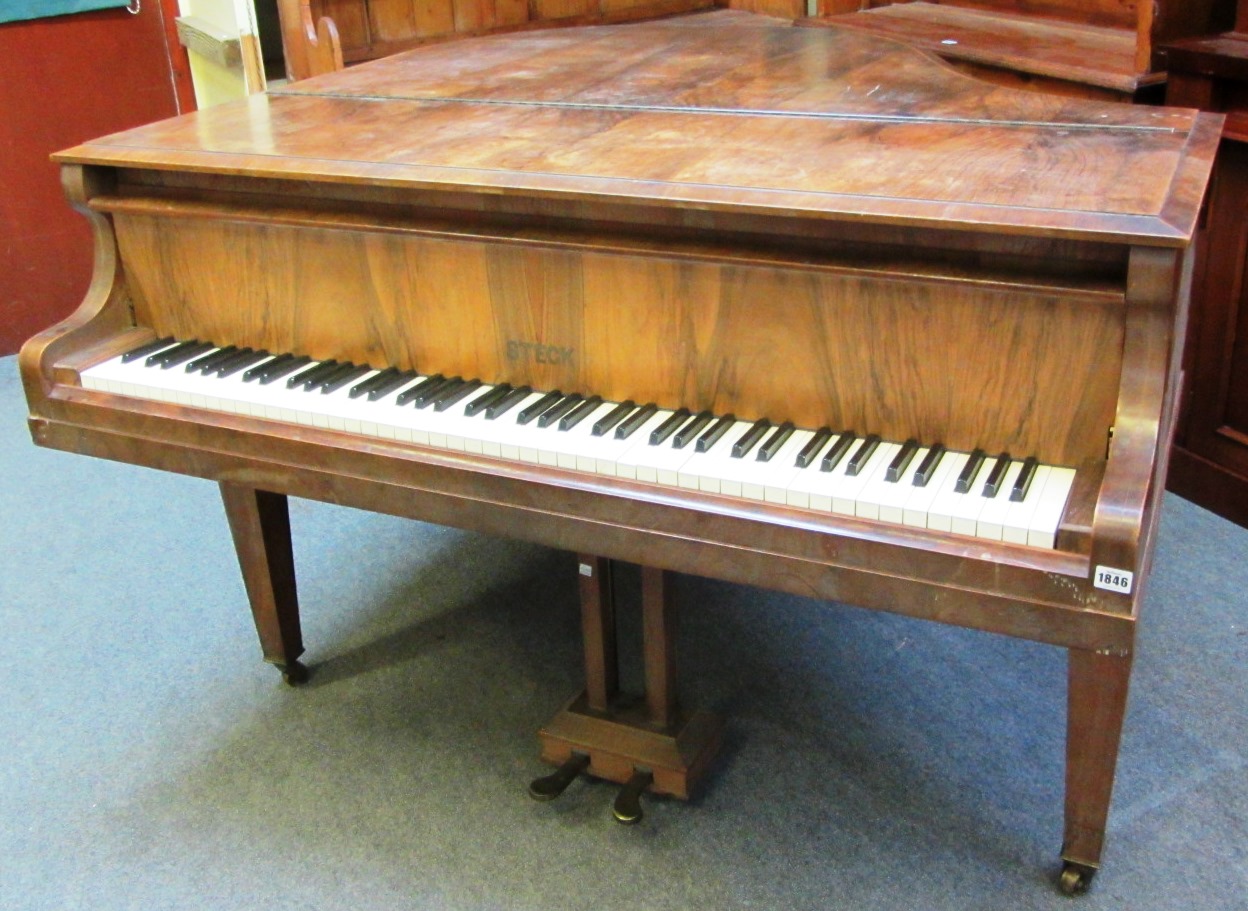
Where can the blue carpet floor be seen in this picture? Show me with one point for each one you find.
(150, 760)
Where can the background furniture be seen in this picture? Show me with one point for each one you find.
(1209, 464)
(1101, 48)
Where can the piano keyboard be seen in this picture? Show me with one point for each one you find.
(990, 496)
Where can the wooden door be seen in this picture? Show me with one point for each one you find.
(67, 79)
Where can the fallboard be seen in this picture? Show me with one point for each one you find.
(810, 332)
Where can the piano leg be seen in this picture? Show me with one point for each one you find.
(602, 676)
(645, 744)
(1096, 704)
(260, 524)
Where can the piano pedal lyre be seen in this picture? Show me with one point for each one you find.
(645, 744)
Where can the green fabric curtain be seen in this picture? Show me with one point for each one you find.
(14, 10)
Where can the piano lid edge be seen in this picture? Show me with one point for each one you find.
(1172, 227)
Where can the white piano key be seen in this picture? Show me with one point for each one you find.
(612, 450)
(886, 500)
(644, 462)
(577, 447)
(775, 476)
(847, 493)
(957, 512)
(1050, 508)
(706, 470)
(918, 507)
(990, 523)
(807, 489)
(1019, 515)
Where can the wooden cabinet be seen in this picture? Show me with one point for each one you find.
(1093, 48)
(1209, 462)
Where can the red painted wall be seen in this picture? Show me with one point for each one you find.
(65, 80)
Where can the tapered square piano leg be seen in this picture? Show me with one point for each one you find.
(647, 744)
(260, 524)
(1096, 705)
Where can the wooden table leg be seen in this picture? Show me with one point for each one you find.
(260, 524)
(1096, 705)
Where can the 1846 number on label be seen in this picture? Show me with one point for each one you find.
(1114, 580)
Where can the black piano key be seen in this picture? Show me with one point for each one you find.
(927, 468)
(160, 357)
(997, 475)
(241, 361)
(812, 448)
(482, 402)
(768, 450)
(636, 420)
(372, 382)
(716, 431)
(343, 376)
(284, 369)
(312, 376)
(837, 450)
(448, 398)
(391, 383)
(660, 434)
(185, 355)
(147, 349)
(256, 372)
(434, 394)
(905, 455)
(508, 402)
(206, 363)
(430, 384)
(559, 409)
(1022, 483)
(530, 412)
(580, 412)
(750, 437)
(969, 470)
(604, 424)
(686, 434)
(858, 460)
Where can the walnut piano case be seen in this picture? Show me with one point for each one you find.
(717, 213)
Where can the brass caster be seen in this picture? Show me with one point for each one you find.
(548, 787)
(294, 673)
(627, 807)
(1076, 877)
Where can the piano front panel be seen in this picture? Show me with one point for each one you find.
(1027, 367)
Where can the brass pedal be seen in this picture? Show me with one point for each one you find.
(548, 787)
(627, 807)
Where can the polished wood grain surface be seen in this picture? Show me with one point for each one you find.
(1102, 48)
(1101, 55)
(724, 118)
(717, 212)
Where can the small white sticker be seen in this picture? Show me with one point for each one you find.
(1114, 580)
(586, 569)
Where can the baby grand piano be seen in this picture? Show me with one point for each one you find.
(795, 308)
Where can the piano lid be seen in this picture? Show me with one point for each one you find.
(724, 111)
